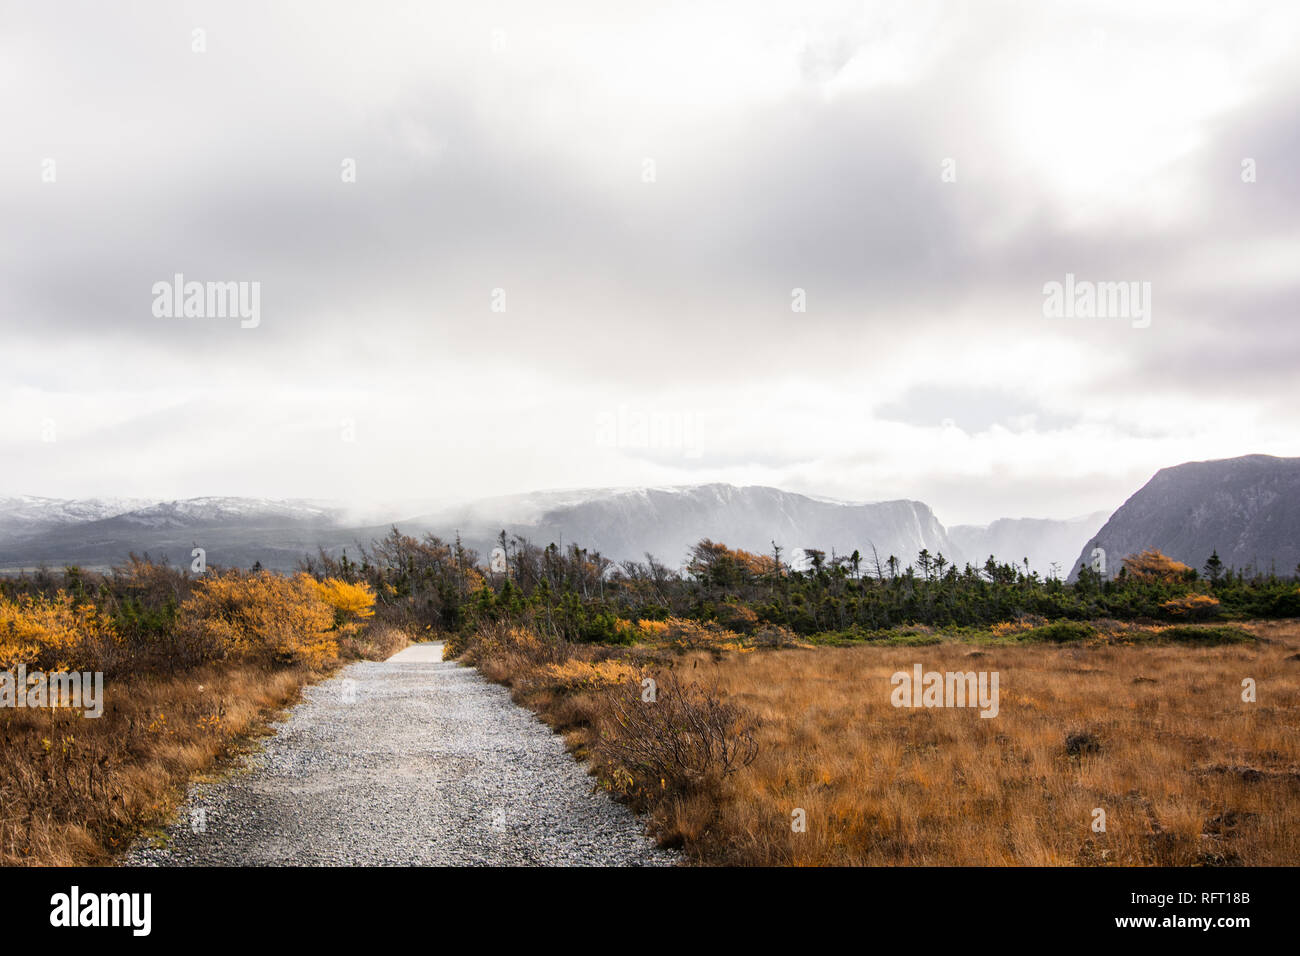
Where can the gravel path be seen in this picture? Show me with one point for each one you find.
(412, 761)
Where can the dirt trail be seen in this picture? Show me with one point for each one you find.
(410, 761)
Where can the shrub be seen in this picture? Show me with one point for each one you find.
(54, 633)
(1058, 632)
(603, 628)
(1079, 743)
(1192, 607)
(574, 675)
(261, 616)
(351, 602)
(911, 639)
(1203, 634)
(1155, 565)
(686, 737)
(509, 643)
(1025, 622)
(774, 635)
(737, 617)
(378, 642)
(688, 634)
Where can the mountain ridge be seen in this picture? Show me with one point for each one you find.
(1247, 509)
(622, 523)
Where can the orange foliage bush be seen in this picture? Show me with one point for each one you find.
(262, 616)
(577, 674)
(52, 633)
(713, 559)
(350, 602)
(1153, 564)
(1192, 606)
(737, 617)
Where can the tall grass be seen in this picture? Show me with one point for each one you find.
(1185, 771)
(191, 670)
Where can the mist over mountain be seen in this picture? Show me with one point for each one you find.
(622, 524)
(626, 524)
(1048, 544)
(1248, 509)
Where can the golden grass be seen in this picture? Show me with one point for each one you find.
(76, 791)
(1187, 773)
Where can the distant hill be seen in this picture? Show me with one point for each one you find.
(234, 532)
(28, 515)
(626, 524)
(1046, 542)
(1248, 509)
(622, 524)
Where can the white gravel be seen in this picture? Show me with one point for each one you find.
(413, 761)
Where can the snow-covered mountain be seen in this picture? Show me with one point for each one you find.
(28, 514)
(102, 533)
(198, 512)
(1247, 509)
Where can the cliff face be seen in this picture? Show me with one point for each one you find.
(626, 524)
(667, 522)
(1248, 509)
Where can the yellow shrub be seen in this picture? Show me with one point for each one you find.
(653, 629)
(1154, 564)
(1006, 628)
(50, 632)
(576, 674)
(1197, 606)
(687, 633)
(263, 616)
(349, 601)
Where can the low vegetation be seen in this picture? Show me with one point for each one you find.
(740, 743)
(724, 700)
(579, 596)
(192, 668)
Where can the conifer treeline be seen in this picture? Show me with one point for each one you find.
(581, 595)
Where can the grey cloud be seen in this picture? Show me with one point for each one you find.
(227, 168)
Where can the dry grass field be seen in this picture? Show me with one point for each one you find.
(1160, 739)
(75, 790)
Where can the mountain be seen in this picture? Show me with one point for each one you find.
(622, 524)
(1044, 541)
(224, 512)
(626, 524)
(1248, 509)
(28, 515)
(233, 531)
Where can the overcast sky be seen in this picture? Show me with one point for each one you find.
(646, 185)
